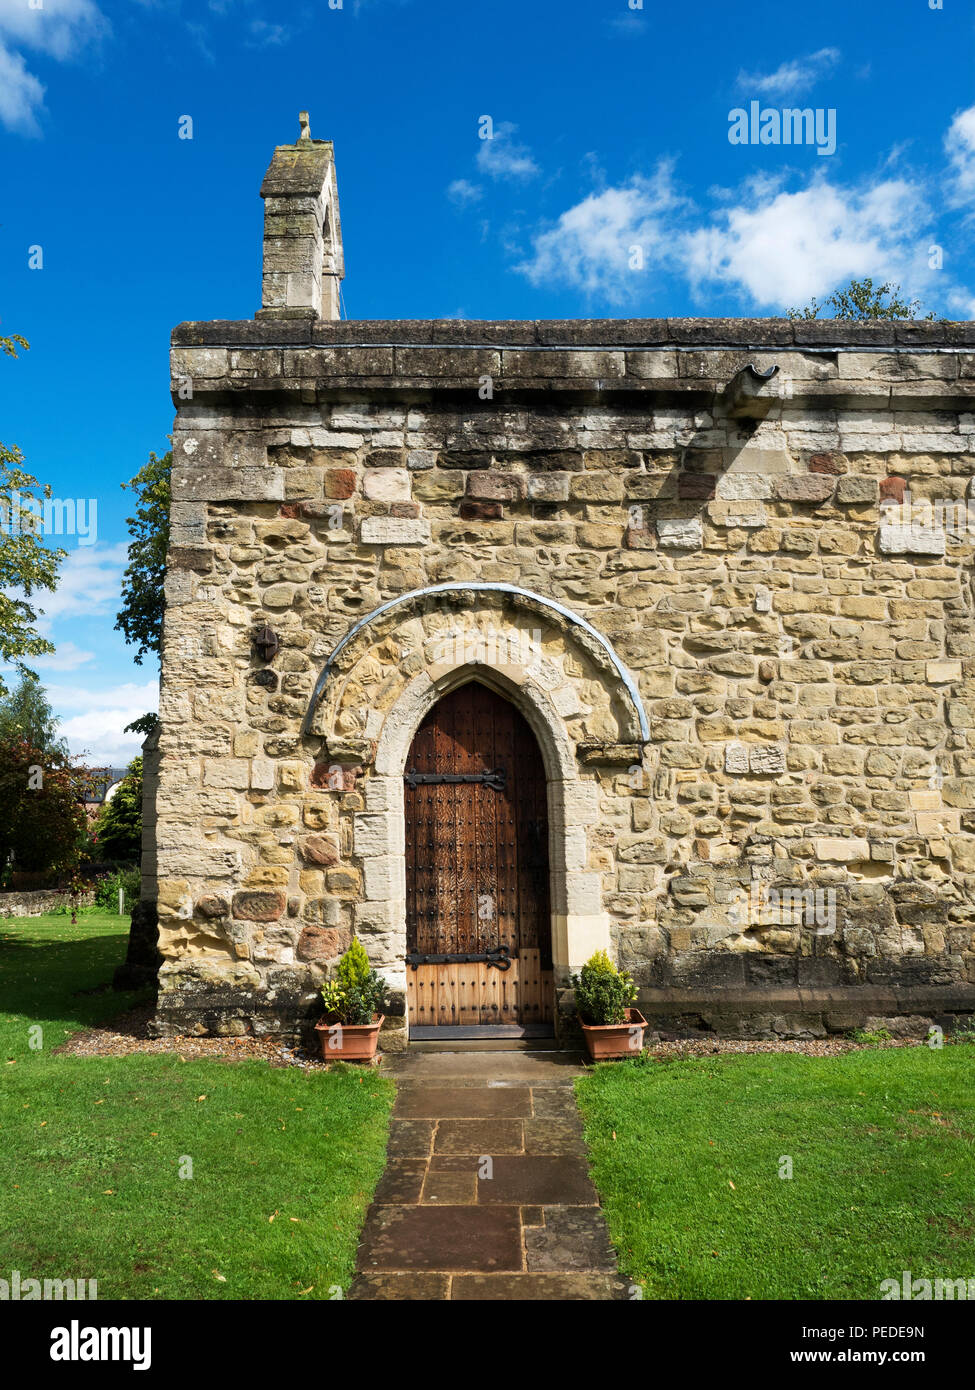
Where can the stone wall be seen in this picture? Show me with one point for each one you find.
(38, 903)
(742, 632)
(142, 958)
(148, 890)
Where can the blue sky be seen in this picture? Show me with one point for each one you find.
(610, 188)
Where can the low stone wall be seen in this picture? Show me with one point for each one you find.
(204, 1001)
(37, 903)
(806, 1013)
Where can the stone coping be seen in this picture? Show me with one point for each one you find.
(238, 363)
(740, 334)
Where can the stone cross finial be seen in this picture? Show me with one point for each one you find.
(305, 126)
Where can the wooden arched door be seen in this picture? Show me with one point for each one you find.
(478, 927)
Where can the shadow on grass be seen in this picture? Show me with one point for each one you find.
(62, 983)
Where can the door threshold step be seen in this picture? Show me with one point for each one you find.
(494, 1037)
(427, 1032)
(486, 1045)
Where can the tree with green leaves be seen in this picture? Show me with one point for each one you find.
(26, 563)
(862, 300)
(26, 714)
(140, 618)
(118, 829)
(42, 815)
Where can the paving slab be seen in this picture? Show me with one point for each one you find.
(449, 1188)
(480, 1137)
(537, 1180)
(385, 1287)
(561, 1135)
(402, 1181)
(479, 1068)
(463, 1102)
(441, 1239)
(572, 1238)
(536, 1287)
(455, 1163)
(410, 1138)
(554, 1102)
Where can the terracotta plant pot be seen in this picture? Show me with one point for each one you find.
(607, 1040)
(349, 1042)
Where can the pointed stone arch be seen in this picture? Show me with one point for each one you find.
(590, 646)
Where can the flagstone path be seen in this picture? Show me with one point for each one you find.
(486, 1193)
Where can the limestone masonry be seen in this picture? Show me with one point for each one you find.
(723, 567)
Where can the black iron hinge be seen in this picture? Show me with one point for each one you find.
(495, 779)
(500, 958)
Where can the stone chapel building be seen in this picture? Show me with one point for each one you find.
(497, 643)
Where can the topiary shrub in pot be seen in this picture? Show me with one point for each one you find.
(352, 999)
(604, 998)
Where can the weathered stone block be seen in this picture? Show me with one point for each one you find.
(810, 487)
(494, 487)
(383, 530)
(937, 823)
(841, 851)
(320, 849)
(743, 487)
(768, 760)
(213, 906)
(680, 534)
(942, 672)
(216, 484)
(339, 483)
(386, 485)
(911, 540)
(857, 491)
(259, 906)
(321, 944)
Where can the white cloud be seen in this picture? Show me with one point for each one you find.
(267, 35)
(791, 78)
(960, 147)
(591, 247)
(503, 157)
(93, 721)
(463, 192)
(90, 583)
(68, 657)
(99, 737)
(60, 29)
(962, 304)
(780, 248)
(21, 94)
(141, 696)
(767, 242)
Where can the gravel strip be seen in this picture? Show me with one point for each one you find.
(806, 1047)
(129, 1033)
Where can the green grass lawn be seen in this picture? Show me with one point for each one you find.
(686, 1155)
(91, 1149)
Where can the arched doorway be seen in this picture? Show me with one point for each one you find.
(478, 922)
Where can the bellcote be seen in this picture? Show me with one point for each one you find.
(303, 262)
